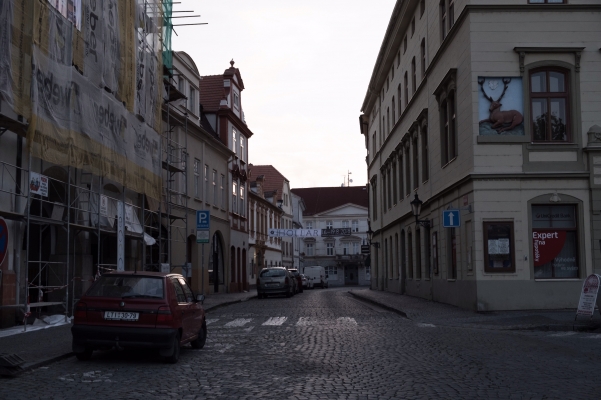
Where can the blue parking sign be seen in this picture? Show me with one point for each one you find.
(451, 219)
(202, 219)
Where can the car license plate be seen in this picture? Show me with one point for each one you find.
(121, 316)
(271, 284)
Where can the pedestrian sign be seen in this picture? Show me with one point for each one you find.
(451, 219)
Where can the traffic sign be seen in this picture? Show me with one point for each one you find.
(3, 239)
(203, 219)
(365, 249)
(451, 219)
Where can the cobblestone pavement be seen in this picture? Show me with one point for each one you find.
(326, 344)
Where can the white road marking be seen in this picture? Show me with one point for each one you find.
(226, 347)
(421, 325)
(210, 321)
(88, 377)
(238, 322)
(597, 336)
(275, 321)
(346, 321)
(305, 321)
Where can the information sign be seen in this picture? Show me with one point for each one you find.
(588, 297)
(451, 219)
(203, 222)
(365, 249)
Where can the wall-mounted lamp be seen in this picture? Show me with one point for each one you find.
(416, 208)
(370, 234)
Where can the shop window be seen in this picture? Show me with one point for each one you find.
(549, 105)
(555, 242)
(499, 247)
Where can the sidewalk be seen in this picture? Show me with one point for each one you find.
(44, 346)
(429, 312)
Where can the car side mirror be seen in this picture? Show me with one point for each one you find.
(200, 298)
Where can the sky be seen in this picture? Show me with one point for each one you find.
(306, 66)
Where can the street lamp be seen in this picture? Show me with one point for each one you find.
(370, 234)
(416, 208)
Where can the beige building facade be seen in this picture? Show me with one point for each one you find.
(488, 111)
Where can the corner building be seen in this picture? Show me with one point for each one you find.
(487, 111)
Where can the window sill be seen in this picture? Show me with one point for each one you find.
(504, 139)
(558, 280)
(552, 146)
(448, 163)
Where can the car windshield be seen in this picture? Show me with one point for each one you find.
(272, 273)
(127, 287)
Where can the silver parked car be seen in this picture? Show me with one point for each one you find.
(275, 280)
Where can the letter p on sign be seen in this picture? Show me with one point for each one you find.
(203, 218)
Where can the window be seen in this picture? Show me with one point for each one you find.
(549, 99)
(222, 190)
(415, 164)
(242, 155)
(181, 85)
(196, 178)
(389, 180)
(443, 19)
(329, 225)
(388, 120)
(398, 59)
(345, 248)
(242, 209)
(214, 181)
(236, 100)
(355, 248)
(401, 182)
(345, 224)
(309, 249)
(412, 26)
(425, 168)
(394, 184)
(235, 197)
(499, 252)
(449, 140)
(192, 100)
(309, 224)
(374, 200)
(331, 270)
(330, 249)
(418, 254)
(435, 252)
(400, 102)
(413, 76)
(234, 147)
(409, 256)
(451, 253)
(373, 145)
(404, 44)
(555, 242)
(423, 54)
(393, 112)
(407, 169)
(392, 72)
(406, 83)
(206, 176)
(422, 8)
(384, 196)
(179, 292)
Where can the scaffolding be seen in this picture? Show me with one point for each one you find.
(67, 225)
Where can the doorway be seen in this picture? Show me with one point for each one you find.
(351, 275)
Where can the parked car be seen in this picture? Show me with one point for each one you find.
(299, 281)
(317, 275)
(139, 309)
(305, 282)
(274, 280)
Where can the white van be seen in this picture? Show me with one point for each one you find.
(316, 275)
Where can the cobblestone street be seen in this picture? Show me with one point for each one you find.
(327, 344)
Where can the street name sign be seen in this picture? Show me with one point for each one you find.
(451, 219)
(203, 226)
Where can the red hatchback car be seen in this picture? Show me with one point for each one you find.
(139, 309)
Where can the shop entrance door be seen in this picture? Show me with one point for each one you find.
(350, 275)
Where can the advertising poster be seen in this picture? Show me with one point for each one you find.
(588, 297)
(38, 184)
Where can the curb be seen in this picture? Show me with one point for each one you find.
(37, 364)
(227, 303)
(367, 300)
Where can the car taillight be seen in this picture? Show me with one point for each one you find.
(81, 310)
(164, 314)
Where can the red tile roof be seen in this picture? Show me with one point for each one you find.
(274, 180)
(320, 199)
(211, 92)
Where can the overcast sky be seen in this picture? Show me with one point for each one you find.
(306, 66)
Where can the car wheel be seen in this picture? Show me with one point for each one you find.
(174, 357)
(85, 355)
(200, 341)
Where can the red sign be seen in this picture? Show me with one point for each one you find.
(547, 244)
(3, 239)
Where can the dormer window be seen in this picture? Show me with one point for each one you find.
(236, 101)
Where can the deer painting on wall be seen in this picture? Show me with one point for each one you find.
(501, 121)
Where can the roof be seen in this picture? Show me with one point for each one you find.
(319, 199)
(273, 180)
(211, 92)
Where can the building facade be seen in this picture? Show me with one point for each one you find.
(330, 208)
(486, 110)
(298, 209)
(221, 99)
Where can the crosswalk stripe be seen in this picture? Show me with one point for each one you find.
(275, 321)
(238, 322)
(304, 321)
(210, 321)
